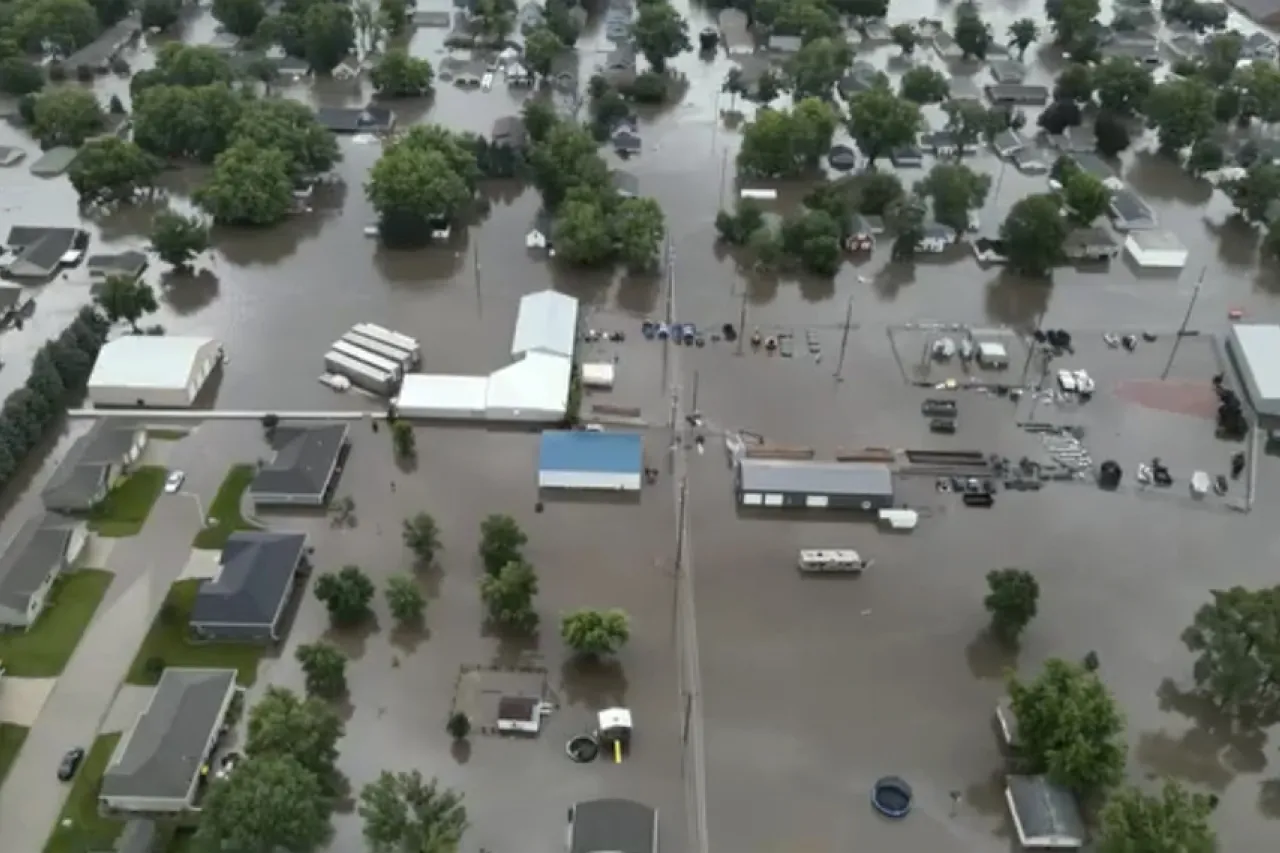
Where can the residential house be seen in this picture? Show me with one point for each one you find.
(347, 69)
(1008, 143)
(92, 465)
(626, 139)
(862, 237)
(159, 766)
(564, 71)
(989, 251)
(784, 44)
(40, 252)
(508, 132)
(1091, 244)
(246, 600)
(945, 46)
(129, 264)
(861, 77)
(625, 184)
(305, 466)
(935, 238)
(44, 547)
(1030, 162)
(98, 55)
(292, 68)
(1185, 46)
(907, 157)
(518, 75)
(1130, 213)
(735, 32)
(1009, 71)
(1094, 165)
(1017, 95)
(943, 144)
(875, 32)
(1142, 49)
(370, 119)
(1075, 140)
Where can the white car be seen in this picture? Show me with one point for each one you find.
(174, 481)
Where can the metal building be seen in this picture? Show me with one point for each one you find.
(816, 485)
(609, 461)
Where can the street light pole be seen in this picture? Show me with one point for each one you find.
(1186, 320)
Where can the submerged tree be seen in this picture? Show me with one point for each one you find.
(1012, 600)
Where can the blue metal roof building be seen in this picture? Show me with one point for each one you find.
(613, 461)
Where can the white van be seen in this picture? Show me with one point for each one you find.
(832, 560)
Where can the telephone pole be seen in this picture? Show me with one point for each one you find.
(742, 322)
(475, 260)
(1186, 320)
(844, 340)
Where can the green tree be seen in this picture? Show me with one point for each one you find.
(595, 632)
(972, 34)
(177, 239)
(813, 239)
(123, 298)
(64, 25)
(539, 117)
(1034, 233)
(501, 542)
(394, 15)
(583, 230)
(1271, 243)
(1123, 85)
(66, 115)
(495, 18)
(158, 14)
(1072, 20)
(954, 189)
(307, 730)
(1111, 135)
(1013, 597)
(879, 192)
(560, 20)
(1023, 33)
(1207, 155)
(817, 67)
(905, 37)
(1172, 821)
(329, 35)
(346, 594)
(906, 218)
(1258, 84)
(809, 19)
(1255, 192)
(421, 536)
(403, 440)
(736, 228)
(1086, 197)
(325, 669)
(250, 186)
(541, 47)
(427, 175)
(1075, 83)
(925, 85)
(111, 12)
(19, 77)
(1237, 651)
(405, 600)
(458, 726)
(1181, 110)
(508, 596)
(110, 170)
(193, 65)
(566, 159)
(239, 17)
(180, 122)
(638, 228)
(880, 121)
(270, 802)
(292, 128)
(399, 75)
(780, 144)
(660, 32)
(1069, 727)
(403, 812)
(1221, 55)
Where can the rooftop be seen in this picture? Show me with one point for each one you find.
(78, 477)
(811, 477)
(611, 452)
(1254, 350)
(30, 556)
(613, 826)
(305, 455)
(256, 572)
(149, 361)
(1044, 814)
(124, 263)
(547, 322)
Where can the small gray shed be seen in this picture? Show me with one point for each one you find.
(786, 484)
(1045, 815)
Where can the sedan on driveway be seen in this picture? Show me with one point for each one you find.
(70, 763)
(174, 481)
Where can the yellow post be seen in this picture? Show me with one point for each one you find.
(617, 752)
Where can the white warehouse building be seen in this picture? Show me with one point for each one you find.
(547, 323)
(153, 371)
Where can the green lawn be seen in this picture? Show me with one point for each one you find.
(11, 738)
(126, 508)
(43, 651)
(226, 509)
(80, 827)
(168, 641)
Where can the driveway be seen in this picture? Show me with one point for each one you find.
(22, 698)
(145, 566)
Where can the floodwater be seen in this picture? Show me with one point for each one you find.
(804, 685)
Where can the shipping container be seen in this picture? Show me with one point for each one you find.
(369, 357)
(390, 338)
(362, 375)
(399, 356)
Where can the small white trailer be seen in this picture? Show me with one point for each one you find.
(828, 560)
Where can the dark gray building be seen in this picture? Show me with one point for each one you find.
(304, 467)
(246, 600)
(777, 483)
(613, 826)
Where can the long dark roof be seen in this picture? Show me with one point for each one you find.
(305, 456)
(76, 480)
(614, 826)
(251, 587)
(31, 556)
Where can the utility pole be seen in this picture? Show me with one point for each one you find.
(475, 259)
(693, 402)
(742, 322)
(844, 340)
(1186, 320)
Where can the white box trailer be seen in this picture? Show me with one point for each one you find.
(390, 338)
(390, 353)
(821, 560)
(362, 375)
(369, 357)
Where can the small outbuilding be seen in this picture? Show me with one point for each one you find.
(598, 375)
(1156, 250)
(1045, 816)
(153, 371)
(445, 397)
(597, 461)
(813, 484)
(612, 826)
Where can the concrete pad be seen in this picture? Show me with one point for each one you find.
(156, 453)
(203, 563)
(131, 701)
(22, 698)
(97, 553)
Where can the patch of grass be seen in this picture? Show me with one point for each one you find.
(11, 739)
(226, 509)
(167, 434)
(126, 508)
(179, 839)
(168, 643)
(79, 826)
(43, 651)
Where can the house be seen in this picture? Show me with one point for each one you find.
(1008, 143)
(1156, 249)
(1259, 45)
(612, 826)
(812, 484)
(1044, 814)
(1075, 140)
(943, 144)
(1143, 50)
(159, 765)
(1091, 244)
(907, 157)
(539, 236)
(347, 69)
(508, 132)
(1185, 46)
(564, 71)
(95, 463)
(44, 547)
(735, 32)
(98, 55)
(1130, 213)
(862, 237)
(625, 139)
(935, 238)
(1029, 162)
(304, 467)
(370, 119)
(1092, 164)
(784, 44)
(130, 265)
(620, 63)
(246, 600)
(40, 252)
(1017, 95)
(875, 32)
(1007, 71)
(292, 68)
(989, 251)
(861, 77)
(625, 184)
(518, 75)
(945, 46)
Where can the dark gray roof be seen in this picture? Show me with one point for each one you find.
(31, 556)
(1093, 164)
(1254, 350)
(105, 47)
(1018, 93)
(250, 589)
(125, 263)
(1089, 237)
(356, 120)
(163, 753)
(1127, 206)
(40, 250)
(76, 480)
(1045, 811)
(613, 826)
(304, 457)
(815, 478)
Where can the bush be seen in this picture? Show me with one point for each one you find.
(459, 726)
(155, 666)
(84, 74)
(57, 72)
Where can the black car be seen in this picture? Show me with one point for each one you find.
(70, 764)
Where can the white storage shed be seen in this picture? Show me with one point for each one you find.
(155, 371)
(598, 375)
(443, 397)
(1156, 250)
(547, 322)
(534, 389)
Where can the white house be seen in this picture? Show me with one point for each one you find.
(936, 239)
(44, 547)
(157, 371)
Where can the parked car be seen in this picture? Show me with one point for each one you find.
(70, 763)
(174, 481)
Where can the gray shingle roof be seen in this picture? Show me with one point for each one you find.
(77, 479)
(305, 455)
(1044, 810)
(1129, 207)
(163, 753)
(35, 552)
(250, 589)
(615, 826)
(815, 478)
(124, 263)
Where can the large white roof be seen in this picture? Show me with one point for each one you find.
(150, 361)
(536, 383)
(547, 322)
(431, 393)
